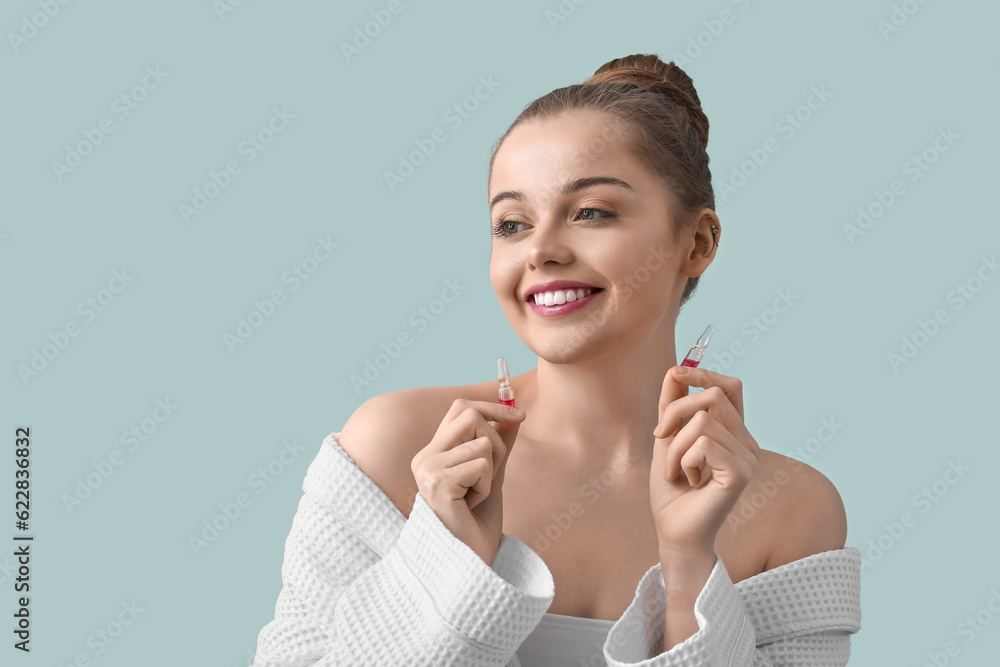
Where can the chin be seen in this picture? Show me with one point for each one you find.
(557, 348)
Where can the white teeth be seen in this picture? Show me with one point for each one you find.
(559, 297)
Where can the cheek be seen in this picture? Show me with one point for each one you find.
(504, 260)
(501, 273)
(647, 272)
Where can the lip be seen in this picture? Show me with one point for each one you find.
(557, 285)
(563, 308)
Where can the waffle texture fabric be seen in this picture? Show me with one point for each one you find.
(364, 585)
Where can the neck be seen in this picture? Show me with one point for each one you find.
(601, 408)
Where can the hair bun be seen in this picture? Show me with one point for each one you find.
(648, 71)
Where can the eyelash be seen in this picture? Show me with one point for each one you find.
(500, 226)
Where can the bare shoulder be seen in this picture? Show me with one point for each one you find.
(386, 432)
(809, 517)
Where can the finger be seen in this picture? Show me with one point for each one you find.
(469, 424)
(498, 412)
(487, 410)
(693, 460)
(700, 377)
(479, 447)
(471, 480)
(670, 391)
(721, 464)
(483, 429)
(703, 424)
(713, 400)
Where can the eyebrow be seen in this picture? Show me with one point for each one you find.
(569, 187)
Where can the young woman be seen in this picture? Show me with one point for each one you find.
(600, 521)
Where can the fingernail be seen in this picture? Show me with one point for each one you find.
(681, 369)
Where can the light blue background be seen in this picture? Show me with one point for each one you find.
(162, 336)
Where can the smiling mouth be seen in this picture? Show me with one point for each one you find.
(561, 296)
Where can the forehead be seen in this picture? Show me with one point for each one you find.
(545, 153)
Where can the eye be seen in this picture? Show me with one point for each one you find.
(588, 213)
(501, 229)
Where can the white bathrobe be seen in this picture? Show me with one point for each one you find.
(364, 585)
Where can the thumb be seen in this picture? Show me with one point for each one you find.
(670, 391)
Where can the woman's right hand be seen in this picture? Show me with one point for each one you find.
(460, 472)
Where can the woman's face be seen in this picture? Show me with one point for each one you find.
(557, 222)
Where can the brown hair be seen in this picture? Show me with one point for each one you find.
(654, 108)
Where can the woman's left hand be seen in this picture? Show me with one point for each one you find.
(703, 459)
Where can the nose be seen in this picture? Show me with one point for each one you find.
(548, 243)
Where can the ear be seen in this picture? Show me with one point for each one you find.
(704, 243)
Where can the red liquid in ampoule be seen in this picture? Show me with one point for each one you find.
(689, 362)
(509, 403)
